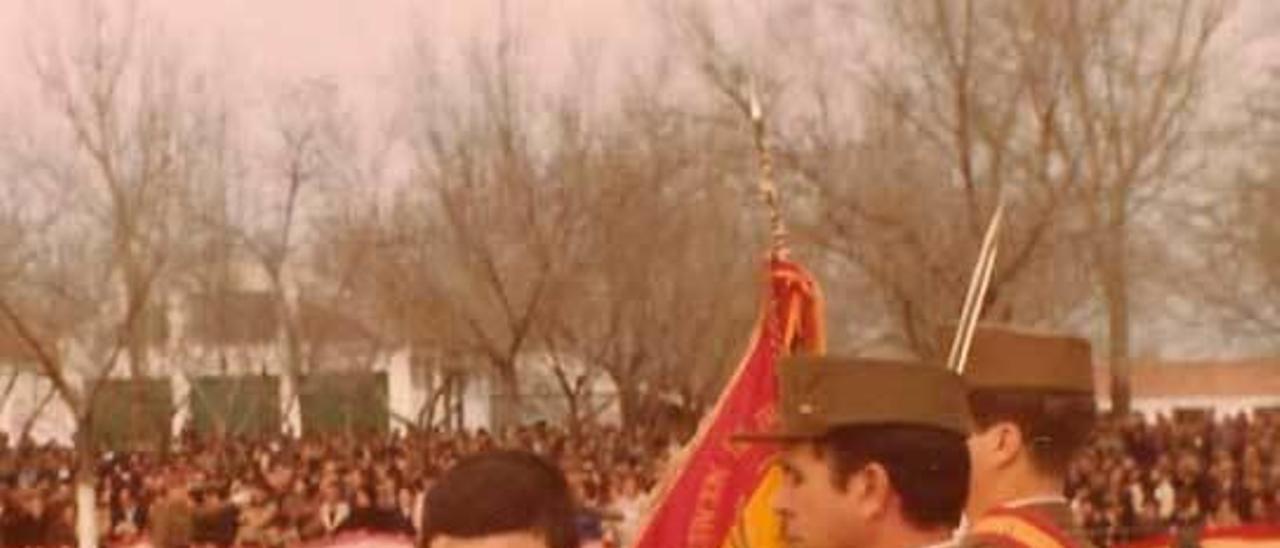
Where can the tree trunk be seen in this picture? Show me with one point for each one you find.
(629, 404)
(575, 416)
(572, 391)
(293, 364)
(86, 500)
(141, 424)
(426, 419)
(1116, 289)
(457, 409)
(506, 404)
(1118, 345)
(293, 375)
(291, 405)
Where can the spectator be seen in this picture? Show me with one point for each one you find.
(1165, 496)
(1182, 472)
(255, 518)
(386, 511)
(128, 516)
(1137, 477)
(364, 516)
(1224, 515)
(1094, 522)
(173, 518)
(216, 519)
(629, 506)
(27, 527)
(1274, 514)
(61, 530)
(1148, 522)
(334, 511)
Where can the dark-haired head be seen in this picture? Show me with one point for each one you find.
(856, 483)
(501, 494)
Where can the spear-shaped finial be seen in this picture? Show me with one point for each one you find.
(768, 187)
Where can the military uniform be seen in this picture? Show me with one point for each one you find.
(1046, 522)
(1004, 359)
(819, 395)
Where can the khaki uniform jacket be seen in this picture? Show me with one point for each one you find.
(1037, 525)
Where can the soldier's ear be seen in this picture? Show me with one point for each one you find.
(872, 489)
(1007, 443)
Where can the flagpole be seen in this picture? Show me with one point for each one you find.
(768, 190)
(770, 335)
(767, 186)
(976, 296)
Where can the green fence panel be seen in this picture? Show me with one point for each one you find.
(132, 413)
(247, 405)
(341, 403)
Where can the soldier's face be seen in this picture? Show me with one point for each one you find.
(991, 450)
(813, 511)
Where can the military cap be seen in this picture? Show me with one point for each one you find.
(818, 394)
(1007, 358)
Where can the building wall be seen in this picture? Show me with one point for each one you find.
(1227, 387)
(1222, 406)
(53, 423)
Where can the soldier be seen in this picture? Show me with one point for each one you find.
(507, 499)
(1033, 406)
(873, 453)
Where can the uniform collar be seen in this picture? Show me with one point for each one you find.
(1035, 500)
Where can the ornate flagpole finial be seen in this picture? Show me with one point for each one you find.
(768, 187)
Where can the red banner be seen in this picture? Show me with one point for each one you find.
(702, 502)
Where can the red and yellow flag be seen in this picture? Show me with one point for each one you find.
(718, 496)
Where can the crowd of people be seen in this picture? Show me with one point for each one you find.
(1140, 478)
(1136, 479)
(276, 492)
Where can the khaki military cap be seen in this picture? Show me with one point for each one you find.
(818, 394)
(1006, 358)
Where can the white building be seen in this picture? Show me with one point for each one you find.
(210, 340)
(237, 335)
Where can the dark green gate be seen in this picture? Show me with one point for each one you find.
(247, 405)
(132, 413)
(342, 403)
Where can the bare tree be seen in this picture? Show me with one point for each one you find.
(1134, 80)
(313, 147)
(1074, 113)
(16, 248)
(1236, 259)
(485, 217)
(961, 119)
(262, 281)
(111, 172)
(666, 290)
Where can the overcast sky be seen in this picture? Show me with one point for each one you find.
(270, 42)
(356, 43)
